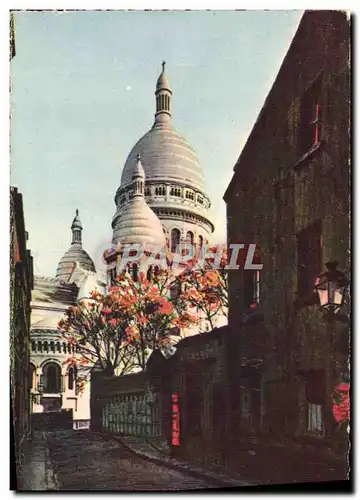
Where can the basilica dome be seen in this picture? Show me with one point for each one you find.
(76, 253)
(174, 180)
(165, 155)
(137, 223)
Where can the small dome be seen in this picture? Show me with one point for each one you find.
(163, 82)
(76, 253)
(138, 169)
(137, 223)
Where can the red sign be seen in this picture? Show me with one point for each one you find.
(175, 437)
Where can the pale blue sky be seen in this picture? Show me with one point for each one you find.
(83, 94)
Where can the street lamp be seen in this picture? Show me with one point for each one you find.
(331, 287)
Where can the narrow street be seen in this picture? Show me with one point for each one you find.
(84, 461)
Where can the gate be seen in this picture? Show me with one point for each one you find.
(133, 414)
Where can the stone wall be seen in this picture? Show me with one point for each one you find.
(136, 404)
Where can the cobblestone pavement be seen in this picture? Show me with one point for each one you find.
(86, 461)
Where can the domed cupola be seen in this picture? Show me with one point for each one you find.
(76, 253)
(137, 223)
(175, 187)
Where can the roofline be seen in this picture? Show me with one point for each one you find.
(267, 101)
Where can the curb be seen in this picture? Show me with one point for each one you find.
(191, 472)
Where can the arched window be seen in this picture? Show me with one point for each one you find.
(175, 239)
(39, 346)
(71, 378)
(149, 274)
(52, 346)
(135, 272)
(69, 348)
(32, 377)
(64, 347)
(33, 346)
(201, 241)
(58, 347)
(46, 346)
(52, 378)
(189, 238)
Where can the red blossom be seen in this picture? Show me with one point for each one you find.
(106, 310)
(341, 403)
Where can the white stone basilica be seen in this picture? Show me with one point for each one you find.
(161, 201)
(174, 180)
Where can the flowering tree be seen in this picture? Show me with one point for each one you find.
(204, 286)
(152, 318)
(121, 329)
(97, 331)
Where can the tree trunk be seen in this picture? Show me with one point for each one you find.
(109, 371)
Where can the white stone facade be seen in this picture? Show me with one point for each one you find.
(52, 388)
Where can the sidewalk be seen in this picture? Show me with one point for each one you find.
(37, 473)
(158, 452)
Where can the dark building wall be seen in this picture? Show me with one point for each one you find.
(199, 381)
(285, 182)
(21, 283)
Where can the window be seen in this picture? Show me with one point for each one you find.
(58, 347)
(175, 239)
(46, 346)
(149, 274)
(39, 346)
(52, 346)
(112, 275)
(147, 191)
(310, 117)
(309, 258)
(71, 378)
(32, 377)
(189, 238)
(160, 191)
(315, 395)
(315, 419)
(200, 199)
(33, 346)
(175, 290)
(175, 192)
(52, 378)
(135, 272)
(251, 289)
